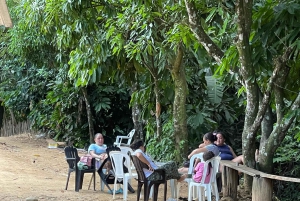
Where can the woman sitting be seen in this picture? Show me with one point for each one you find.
(207, 145)
(227, 152)
(98, 151)
(170, 167)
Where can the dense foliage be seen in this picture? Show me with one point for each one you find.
(74, 68)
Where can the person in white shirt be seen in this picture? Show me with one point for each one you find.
(169, 167)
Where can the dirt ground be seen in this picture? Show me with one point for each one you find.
(31, 170)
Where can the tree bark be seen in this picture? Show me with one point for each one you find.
(136, 113)
(244, 12)
(202, 37)
(157, 108)
(89, 114)
(179, 109)
(155, 75)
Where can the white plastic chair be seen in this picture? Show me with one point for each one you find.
(206, 189)
(216, 164)
(128, 151)
(117, 159)
(191, 170)
(120, 138)
(125, 150)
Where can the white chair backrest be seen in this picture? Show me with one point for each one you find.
(128, 151)
(130, 136)
(216, 163)
(117, 160)
(192, 161)
(125, 150)
(119, 139)
(206, 169)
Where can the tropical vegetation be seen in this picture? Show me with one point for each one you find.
(172, 69)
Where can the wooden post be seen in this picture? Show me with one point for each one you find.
(229, 182)
(262, 189)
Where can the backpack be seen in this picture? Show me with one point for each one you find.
(85, 162)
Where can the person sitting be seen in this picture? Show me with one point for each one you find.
(227, 152)
(207, 145)
(198, 171)
(98, 150)
(170, 167)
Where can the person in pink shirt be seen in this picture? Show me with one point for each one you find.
(199, 169)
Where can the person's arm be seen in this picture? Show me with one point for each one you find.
(202, 145)
(94, 155)
(196, 151)
(144, 160)
(197, 168)
(200, 169)
(232, 152)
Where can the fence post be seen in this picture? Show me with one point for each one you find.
(262, 189)
(230, 182)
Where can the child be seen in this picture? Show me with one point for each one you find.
(200, 168)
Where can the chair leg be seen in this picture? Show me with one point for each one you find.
(147, 189)
(173, 185)
(215, 191)
(139, 188)
(77, 182)
(69, 173)
(165, 191)
(125, 186)
(115, 187)
(156, 186)
(191, 192)
(208, 191)
(101, 181)
(94, 175)
(92, 178)
(151, 192)
(81, 180)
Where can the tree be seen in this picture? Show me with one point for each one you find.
(265, 67)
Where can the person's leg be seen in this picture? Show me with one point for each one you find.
(183, 170)
(172, 172)
(239, 159)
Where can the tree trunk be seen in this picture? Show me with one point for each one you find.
(179, 109)
(1, 115)
(158, 108)
(89, 114)
(244, 12)
(136, 114)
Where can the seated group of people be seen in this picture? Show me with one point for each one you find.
(213, 144)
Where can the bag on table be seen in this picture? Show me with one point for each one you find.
(85, 162)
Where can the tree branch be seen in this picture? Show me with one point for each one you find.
(200, 34)
(279, 69)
